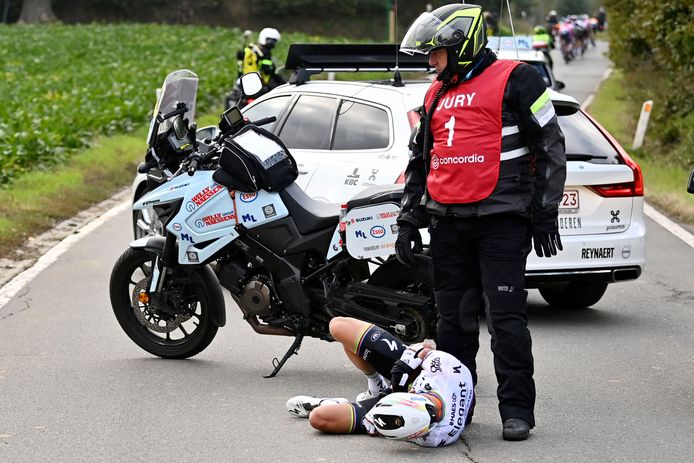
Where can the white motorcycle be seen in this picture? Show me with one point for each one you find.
(291, 263)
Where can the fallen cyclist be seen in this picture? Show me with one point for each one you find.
(429, 401)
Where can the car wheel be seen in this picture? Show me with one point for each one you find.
(573, 295)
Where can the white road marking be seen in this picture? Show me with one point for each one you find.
(669, 225)
(15, 285)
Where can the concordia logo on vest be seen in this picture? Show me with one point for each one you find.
(471, 159)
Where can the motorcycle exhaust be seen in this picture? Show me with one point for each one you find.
(263, 329)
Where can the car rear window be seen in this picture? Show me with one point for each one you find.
(361, 127)
(267, 108)
(584, 138)
(309, 123)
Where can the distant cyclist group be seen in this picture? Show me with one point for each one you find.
(574, 33)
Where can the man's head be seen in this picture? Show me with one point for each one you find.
(405, 415)
(269, 37)
(458, 29)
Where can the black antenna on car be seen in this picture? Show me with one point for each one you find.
(397, 78)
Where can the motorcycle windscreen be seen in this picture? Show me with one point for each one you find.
(371, 231)
(179, 86)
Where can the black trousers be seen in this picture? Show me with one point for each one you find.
(479, 264)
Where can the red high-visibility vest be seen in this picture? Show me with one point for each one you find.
(466, 126)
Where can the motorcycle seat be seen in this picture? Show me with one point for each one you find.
(377, 194)
(309, 214)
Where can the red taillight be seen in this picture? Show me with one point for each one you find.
(413, 117)
(635, 188)
(401, 177)
(615, 190)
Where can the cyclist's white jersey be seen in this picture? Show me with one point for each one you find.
(444, 375)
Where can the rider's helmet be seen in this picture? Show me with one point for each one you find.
(268, 37)
(403, 415)
(458, 28)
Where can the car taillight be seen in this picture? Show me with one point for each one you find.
(613, 190)
(401, 177)
(413, 118)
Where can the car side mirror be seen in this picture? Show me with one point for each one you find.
(559, 85)
(690, 187)
(251, 84)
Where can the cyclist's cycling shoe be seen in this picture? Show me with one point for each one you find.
(301, 405)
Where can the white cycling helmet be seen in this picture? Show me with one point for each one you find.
(268, 33)
(404, 415)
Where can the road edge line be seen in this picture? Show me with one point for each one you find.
(668, 224)
(16, 284)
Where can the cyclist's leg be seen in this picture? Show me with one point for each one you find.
(346, 418)
(370, 348)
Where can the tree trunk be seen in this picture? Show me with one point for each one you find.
(37, 11)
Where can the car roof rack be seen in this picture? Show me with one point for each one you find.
(305, 60)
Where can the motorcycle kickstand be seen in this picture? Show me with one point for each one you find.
(293, 349)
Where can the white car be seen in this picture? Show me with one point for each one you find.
(347, 136)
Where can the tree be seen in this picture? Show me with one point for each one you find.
(37, 11)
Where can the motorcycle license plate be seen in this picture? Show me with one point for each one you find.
(569, 202)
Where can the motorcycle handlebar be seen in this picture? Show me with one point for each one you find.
(193, 166)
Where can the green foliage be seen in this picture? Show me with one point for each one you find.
(654, 43)
(62, 85)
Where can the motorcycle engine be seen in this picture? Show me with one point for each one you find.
(256, 298)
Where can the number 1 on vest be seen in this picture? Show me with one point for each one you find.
(450, 125)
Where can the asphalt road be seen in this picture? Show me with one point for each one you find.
(614, 382)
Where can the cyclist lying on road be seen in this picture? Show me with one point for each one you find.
(429, 401)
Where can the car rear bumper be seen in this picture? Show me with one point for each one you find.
(541, 278)
(607, 258)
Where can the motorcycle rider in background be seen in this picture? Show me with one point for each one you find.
(541, 37)
(258, 58)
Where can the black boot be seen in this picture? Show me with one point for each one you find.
(516, 429)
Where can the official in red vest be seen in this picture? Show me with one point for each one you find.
(486, 176)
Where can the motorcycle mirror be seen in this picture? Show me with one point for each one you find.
(559, 85)
(251, 84)
(179, 128)
(690, 188)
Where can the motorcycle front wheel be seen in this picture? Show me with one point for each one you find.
(178, 325)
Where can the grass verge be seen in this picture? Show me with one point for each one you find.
(36, 201)
(664, 176)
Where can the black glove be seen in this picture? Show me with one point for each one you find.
(404, 251)
(404, 371)
(545, 229)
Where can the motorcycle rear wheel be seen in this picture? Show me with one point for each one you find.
(181, 335)
(395, 276)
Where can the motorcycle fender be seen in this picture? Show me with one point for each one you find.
(149, 243)
(156, 244)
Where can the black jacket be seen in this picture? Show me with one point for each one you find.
(530, 182)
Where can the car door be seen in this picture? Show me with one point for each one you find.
(340, 143)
